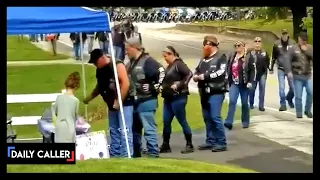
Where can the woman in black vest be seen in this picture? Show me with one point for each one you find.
(241, 76)
(175, 92)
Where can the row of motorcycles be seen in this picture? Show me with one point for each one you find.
(184, 17)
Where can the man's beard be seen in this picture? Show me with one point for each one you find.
(206, 52)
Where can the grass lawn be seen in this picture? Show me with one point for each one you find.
(24, 50)
(130, 165)
(260, 24)
(50, 79)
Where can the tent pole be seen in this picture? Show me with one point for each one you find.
(125, 129)
(83, 76)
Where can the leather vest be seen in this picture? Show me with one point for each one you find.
(245, 68)
(301, 64)
(218, 84)
(107, 86)
(172, 76)
(138, 77)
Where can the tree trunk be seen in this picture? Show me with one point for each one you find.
(297, 14)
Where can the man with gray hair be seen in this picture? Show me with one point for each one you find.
(147, 75)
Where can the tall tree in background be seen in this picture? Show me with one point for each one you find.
(298, 12)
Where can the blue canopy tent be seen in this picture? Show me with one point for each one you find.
(37, 20)
(45, 20)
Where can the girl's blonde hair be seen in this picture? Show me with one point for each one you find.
(73, 81)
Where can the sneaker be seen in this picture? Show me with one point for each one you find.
(219, 149)
(205, 147)
(262, 109)
(283, 108)
(308, 114)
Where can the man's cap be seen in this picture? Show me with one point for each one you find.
(284, 31)
(134, 42)
(95, 55)
(212, 39)
(303, 36)
(239, 43)
(257, 39)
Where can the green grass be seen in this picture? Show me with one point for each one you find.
(50, 79)
(24, 50)
(130, 165)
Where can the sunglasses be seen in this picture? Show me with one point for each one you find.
(257, 41)
(237, 45)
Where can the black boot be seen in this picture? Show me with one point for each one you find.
(165, 147)
(189, 147)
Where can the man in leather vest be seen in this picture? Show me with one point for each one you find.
(299, 67)
(280, 55)
(147, 76)
(211, 77)
(107, 89)
(262, 62)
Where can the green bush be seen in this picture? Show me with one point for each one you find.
(307, 23)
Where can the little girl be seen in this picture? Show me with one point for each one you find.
(66, 109)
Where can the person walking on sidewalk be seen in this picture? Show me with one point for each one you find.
(175, 94)
(75, 38)
(280, 55)
(262, 61)
(103, 39)
(299, 67)
(90, 36)
(241, 76)
(211, 77)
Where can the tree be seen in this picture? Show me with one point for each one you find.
(298, 13)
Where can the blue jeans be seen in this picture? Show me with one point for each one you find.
(234, 92)
(118, 146)
(104, 46)
(262, 90)
(76, 50)
(34, 37)
(143, 118)
(118, 52)
(211, 112)
(282, 86)
(299, 84)
(42, 37)
(175, 108)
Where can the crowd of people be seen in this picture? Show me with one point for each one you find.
(120, 32)
(143, 78)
